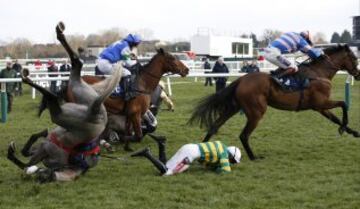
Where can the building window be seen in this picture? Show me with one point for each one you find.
(240, 48)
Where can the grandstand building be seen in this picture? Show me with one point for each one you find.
(229, 47)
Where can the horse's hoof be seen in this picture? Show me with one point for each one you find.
(356, 134)
(45, 176)
(24, 73)
(114, 137)
(341, 129)
(60, 27)
(12, 147)
(11, 151)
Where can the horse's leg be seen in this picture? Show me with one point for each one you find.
(128, 134)
(75, 60)
(51, 98)
(33, 138)
(11, 156)
(217, 124)
(35, 158)
(329, 115)
(333, 104)
(245, 134)
(47, 94)
(135, 120)
(254, 110)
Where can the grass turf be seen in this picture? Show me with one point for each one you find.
(306, 165)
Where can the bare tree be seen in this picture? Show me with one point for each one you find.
(76, 40)
(18, 48)
(93, 39)
(112, 35)
(268, 36)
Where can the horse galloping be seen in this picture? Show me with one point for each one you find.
(254, 92)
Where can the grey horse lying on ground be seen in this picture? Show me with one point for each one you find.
(71, 148)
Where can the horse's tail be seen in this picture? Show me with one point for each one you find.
(216, 107)
(107, 85)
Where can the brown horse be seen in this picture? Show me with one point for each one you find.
(147, 80)
(252, 93)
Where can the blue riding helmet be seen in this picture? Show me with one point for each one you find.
(305, 34)
(133, 39)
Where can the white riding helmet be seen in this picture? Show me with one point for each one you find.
(235, 153)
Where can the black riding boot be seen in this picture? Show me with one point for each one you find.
(161, 142)
(146, 153)
(129, 94)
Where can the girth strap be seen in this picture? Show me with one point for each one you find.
(84, 148)
(301, 99)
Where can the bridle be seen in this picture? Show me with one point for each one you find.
(333, 65)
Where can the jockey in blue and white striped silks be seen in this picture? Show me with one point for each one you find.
(287, 43)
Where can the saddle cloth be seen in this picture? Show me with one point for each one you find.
(292, 82)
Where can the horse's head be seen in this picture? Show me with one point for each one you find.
(171, 64)
(348, 59)
(351, 63)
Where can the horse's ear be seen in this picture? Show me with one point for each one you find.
(160, 51)
(159, 47)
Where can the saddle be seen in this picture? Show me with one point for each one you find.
(294, 82)
(127, 88)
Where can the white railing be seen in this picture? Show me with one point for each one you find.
(44, 80)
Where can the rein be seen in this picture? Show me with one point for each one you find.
(333, 65)
(151, 76)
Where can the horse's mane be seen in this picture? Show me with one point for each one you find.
(151, 60)
(328, 51)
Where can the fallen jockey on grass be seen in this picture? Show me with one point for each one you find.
(287, 43)
(215, 155)
(123, 50)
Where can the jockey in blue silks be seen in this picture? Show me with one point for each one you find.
(287, 43)
(119, 51)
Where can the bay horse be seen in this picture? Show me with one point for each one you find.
(253, 92)
(147, 80)
(72, 147)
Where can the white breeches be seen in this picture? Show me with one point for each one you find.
(182, 159)
(274, 56)
(106, 67)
